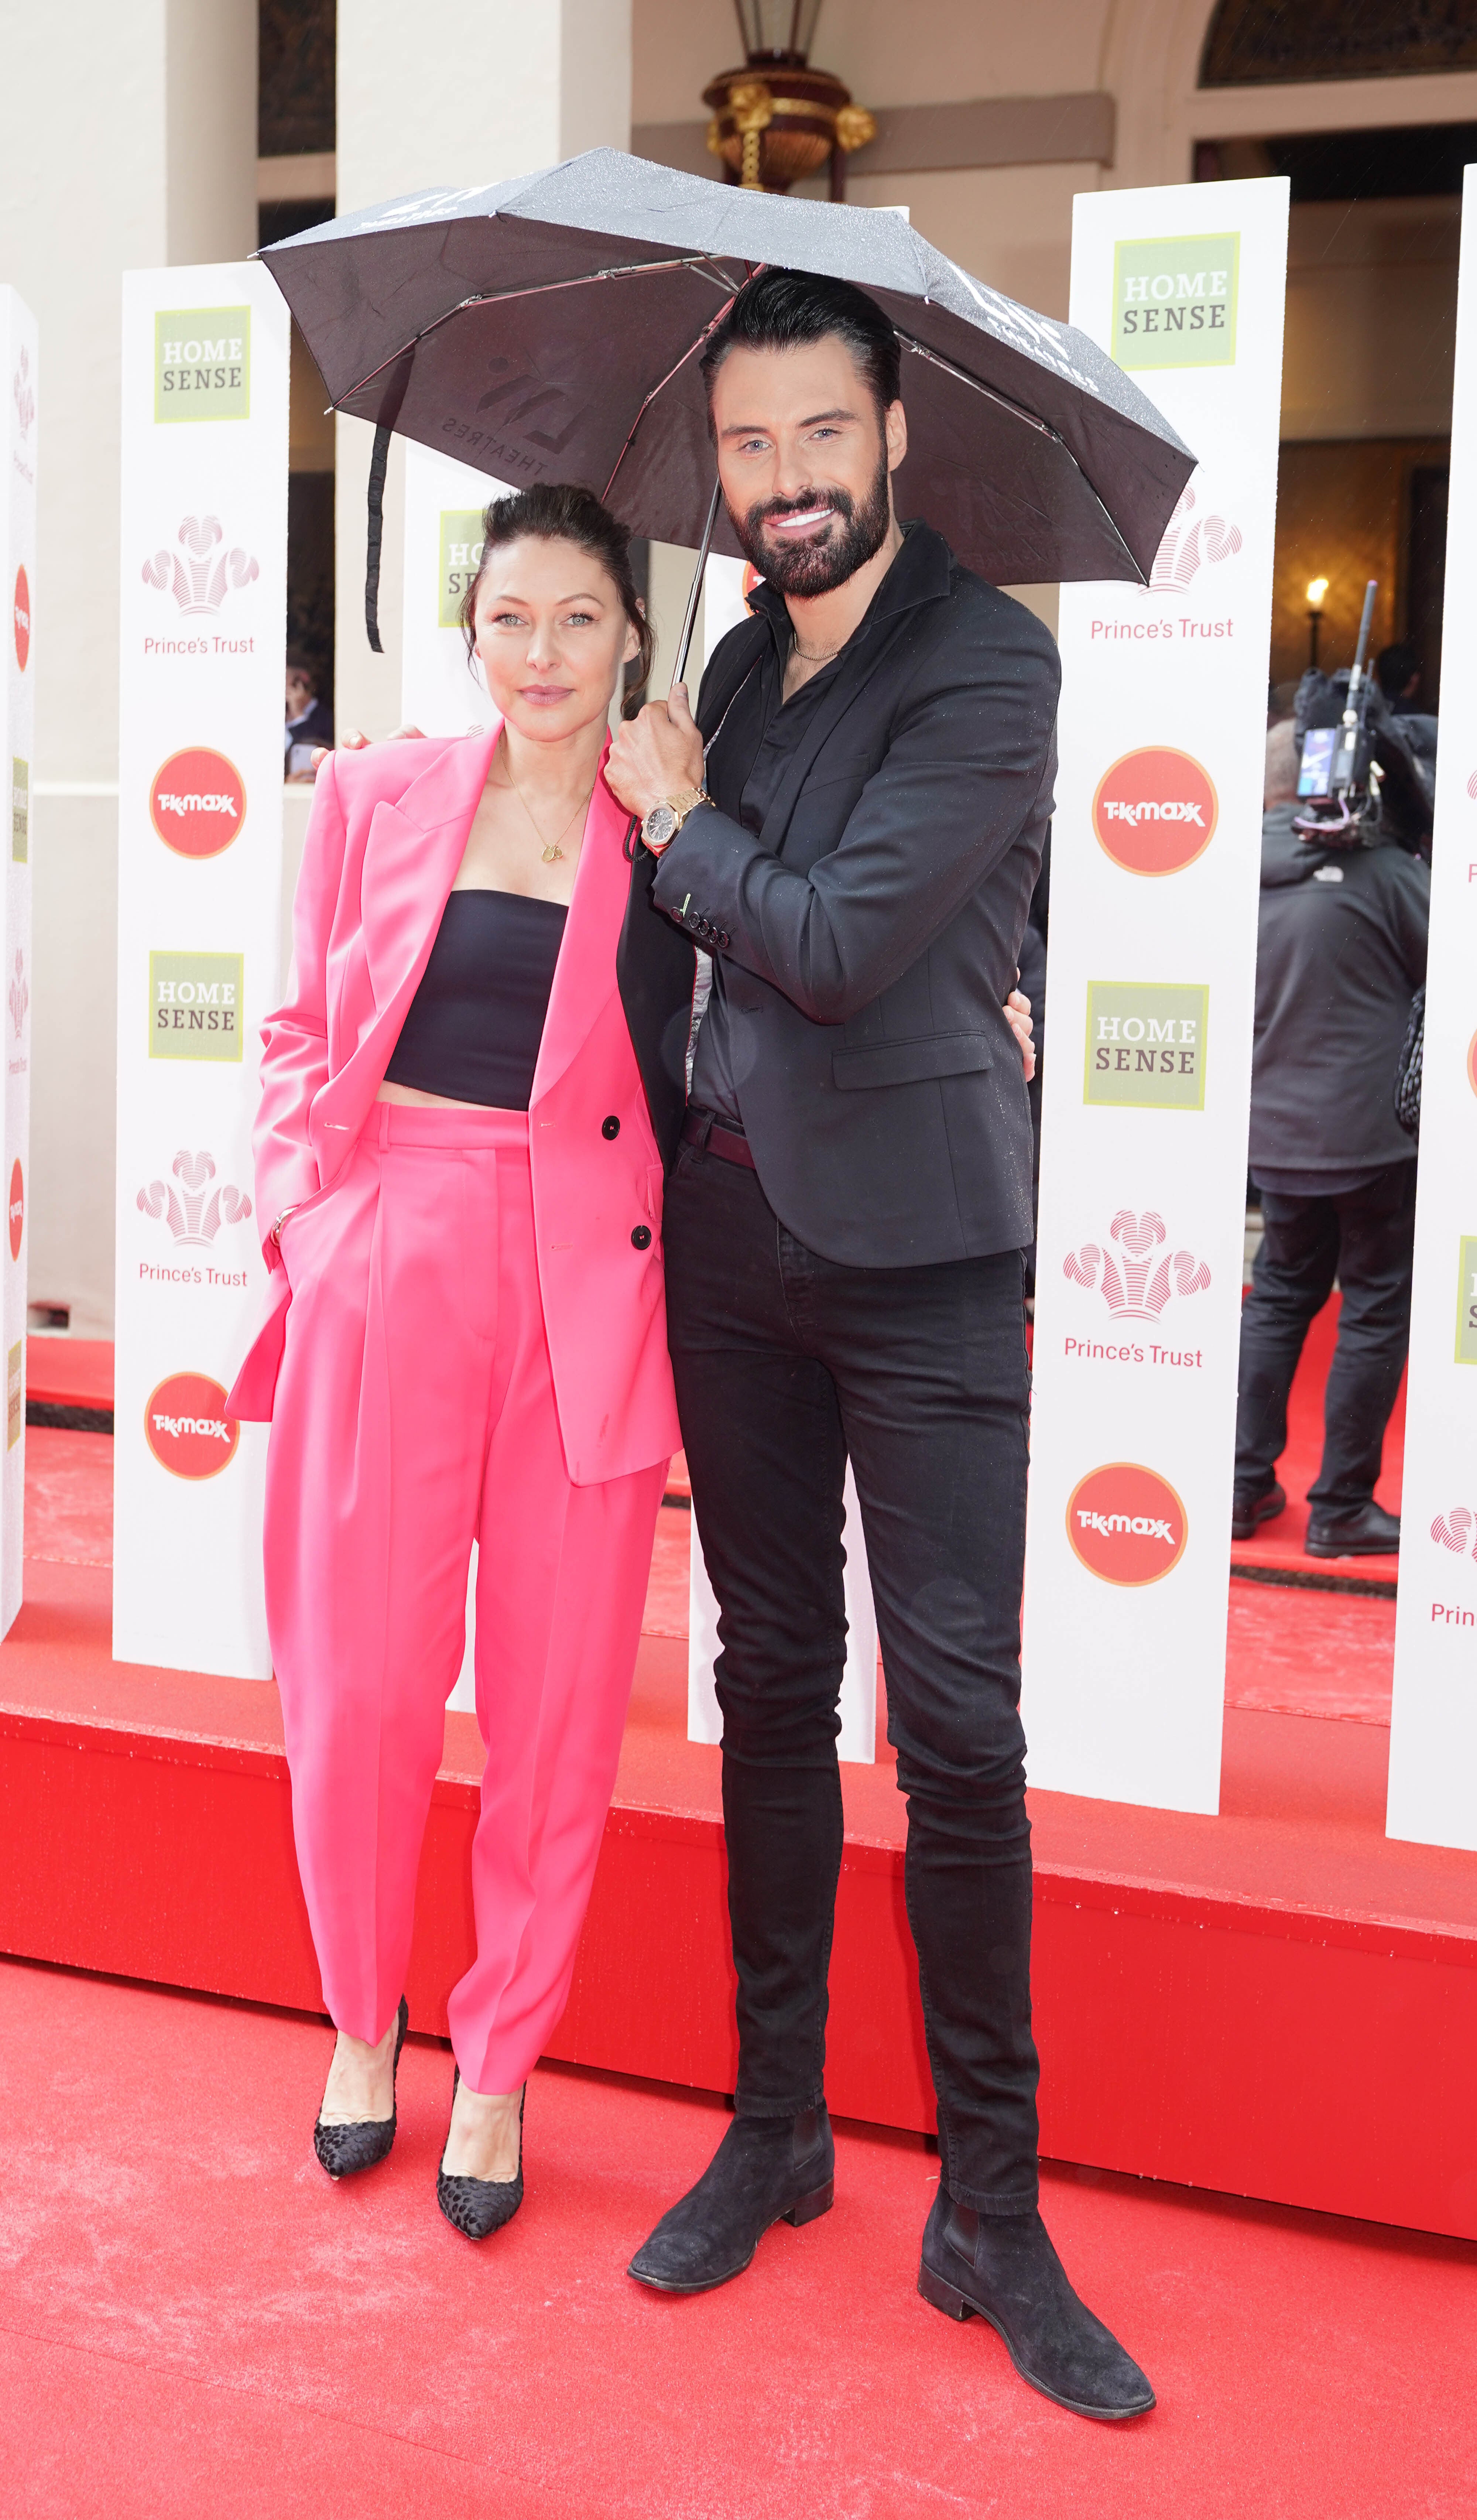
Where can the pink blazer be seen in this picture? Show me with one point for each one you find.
(386, 837)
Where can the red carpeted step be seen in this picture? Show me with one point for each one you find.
(197, 2321)
(69, 1372)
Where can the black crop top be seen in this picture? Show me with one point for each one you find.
(472, 1029)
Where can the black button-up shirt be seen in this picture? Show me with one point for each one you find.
(750, 757)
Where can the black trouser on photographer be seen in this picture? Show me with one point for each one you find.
(1365, 1236)
(784, 1364)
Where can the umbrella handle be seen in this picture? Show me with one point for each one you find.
(689, 618)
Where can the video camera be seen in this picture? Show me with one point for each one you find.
(1359, 782)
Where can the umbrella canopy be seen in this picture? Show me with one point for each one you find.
(549, 328)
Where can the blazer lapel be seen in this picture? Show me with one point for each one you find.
(411, 856)
(585, 973)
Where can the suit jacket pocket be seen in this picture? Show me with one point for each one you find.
(912, 1063)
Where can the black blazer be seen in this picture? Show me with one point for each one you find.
(870, 931)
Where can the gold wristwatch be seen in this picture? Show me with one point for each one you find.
(660, 827)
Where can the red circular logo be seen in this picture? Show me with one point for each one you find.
(187, 1429)
(16, 1208)
(23, 618)
(1155, 811)
(198, 802)
(1127, 1524)
(1472, 1062)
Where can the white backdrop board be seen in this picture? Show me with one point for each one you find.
(1155, 863)
(202, 637)
(1433, 1735)
(17, 687)
(440, 690)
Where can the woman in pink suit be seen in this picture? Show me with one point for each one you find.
(466, 1335)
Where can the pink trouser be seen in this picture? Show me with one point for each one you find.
(415, 1412)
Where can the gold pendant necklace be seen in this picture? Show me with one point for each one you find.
(549, 850)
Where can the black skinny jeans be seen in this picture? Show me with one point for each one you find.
(784, 1364)
(1367, 1238)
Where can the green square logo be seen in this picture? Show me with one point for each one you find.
(460, 550)
(1146, 1045)
(1466, 1301)
(195, 1006)
(1175, 301)
(202, 363)
(20, 811)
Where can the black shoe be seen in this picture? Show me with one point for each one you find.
(478, 2207)
(766, 2170)
(1005, 2267)
(1246, 1511)
(358, 2145)
(1367, 1532)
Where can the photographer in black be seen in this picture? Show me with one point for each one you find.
(1341, 949)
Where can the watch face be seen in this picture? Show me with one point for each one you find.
(661, 823)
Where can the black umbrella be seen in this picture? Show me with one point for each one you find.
(548, 329)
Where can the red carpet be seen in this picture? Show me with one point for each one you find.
(196, 2321)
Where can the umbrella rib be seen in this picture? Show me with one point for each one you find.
(659, 388)
(698, 262)
(1032, 420)
(992, 393)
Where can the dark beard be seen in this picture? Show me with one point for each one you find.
(839, 548)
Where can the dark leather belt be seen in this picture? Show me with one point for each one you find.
(700, 1129)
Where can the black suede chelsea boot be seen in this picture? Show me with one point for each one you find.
(1005, 2267)
(766, 2170)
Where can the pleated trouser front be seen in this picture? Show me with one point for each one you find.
(416, 1411)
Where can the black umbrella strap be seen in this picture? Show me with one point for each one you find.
(374, 535)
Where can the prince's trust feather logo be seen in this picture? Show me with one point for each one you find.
(1456, 1530)
(22, 393)
(193, 1209)
(1135, 1278)
(199, 575)
(1187, 546)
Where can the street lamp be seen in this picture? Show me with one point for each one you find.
(1318, 588)
(777, 120)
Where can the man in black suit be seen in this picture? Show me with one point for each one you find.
(845, 1219)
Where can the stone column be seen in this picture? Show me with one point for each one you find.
(466, 92)
(129, 140)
